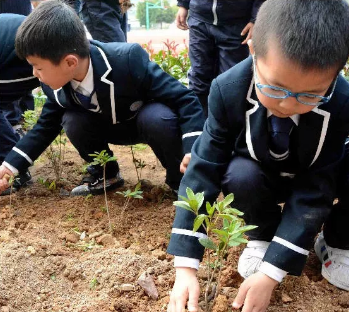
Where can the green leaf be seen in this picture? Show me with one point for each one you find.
(234, 226)
(183, 205)
(228, 200)
(209, 209)
(223, 235)
(227, 217)
(247, 228)
(241, 240)
(183, 198)
(200, 199)
(233, 243)
(226, 224)
(190, 194)
(207, 243)
(233, 211)
(198, 222)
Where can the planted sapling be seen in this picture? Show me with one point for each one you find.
(224, 229)
(136, 193)
(138, 162)
(102, 159)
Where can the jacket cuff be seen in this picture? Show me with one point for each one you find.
(8, 166)
(185, 262)
(272, 271)
(188, 140)
(183, 4)
(18, 159)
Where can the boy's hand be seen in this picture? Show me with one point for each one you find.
(185, 163)
(247, 30)
(255, 293)
(5, 175)
(186, 291)
(181, 18)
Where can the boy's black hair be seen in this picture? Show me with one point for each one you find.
(52, 31)
(312, 33)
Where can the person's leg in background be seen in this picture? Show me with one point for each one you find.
(203, 56)
(230, 49)
(104, 20)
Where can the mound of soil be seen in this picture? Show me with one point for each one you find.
(58, 254)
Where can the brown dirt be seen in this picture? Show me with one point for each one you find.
(46, 265)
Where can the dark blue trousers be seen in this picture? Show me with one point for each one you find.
(155, 124)
(22, 7)
(258, 191)
(104, 20)
(8, 138)
(212, 51)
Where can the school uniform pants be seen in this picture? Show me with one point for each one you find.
(258, 191)
(155, 124)
(212, 51)
(104, 20)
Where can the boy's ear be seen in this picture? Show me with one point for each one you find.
(250, 46)
(71, 61)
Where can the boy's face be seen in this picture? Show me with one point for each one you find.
(276, 70)
(55, 76)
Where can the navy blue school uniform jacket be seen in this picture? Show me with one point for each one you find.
(222, 12)
(237, 125)
(16, 76)
(124, 80)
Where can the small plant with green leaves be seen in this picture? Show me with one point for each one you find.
(56, 150)
(224, 229)
(50, 185)
(175, 63)
(129, 194)
(94, 283)
(138, 162)
(102, 159)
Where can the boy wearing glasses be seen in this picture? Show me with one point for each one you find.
(275, 133)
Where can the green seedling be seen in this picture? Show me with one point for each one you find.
(10, 182)
(70, 216)
(224, 229)
(49, 185)
(56, 151)
(128, 194)
(102, 159)
(88, 197)
(53, 277)
(138, 162)
(94, 283)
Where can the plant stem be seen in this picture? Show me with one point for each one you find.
(105, 198)
(134, 162)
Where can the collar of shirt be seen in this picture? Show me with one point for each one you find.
(295, 118)
(85, 86)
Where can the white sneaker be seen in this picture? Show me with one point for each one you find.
(335, 263)
(251, 258)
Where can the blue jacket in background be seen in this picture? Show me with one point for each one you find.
(16, 75)
(222, 12)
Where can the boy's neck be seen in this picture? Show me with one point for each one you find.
(82, 69)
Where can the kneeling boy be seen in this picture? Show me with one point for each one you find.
(101, 93)
(275, 132)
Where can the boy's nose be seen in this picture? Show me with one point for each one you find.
(35, 73)
(289, 104)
